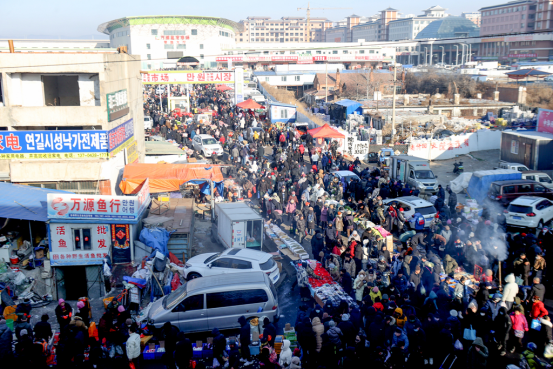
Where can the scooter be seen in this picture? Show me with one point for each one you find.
(458, 167)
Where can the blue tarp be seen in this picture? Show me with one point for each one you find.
(479, 183)
(156, 238)
(350, 105)
(205, 188)
(24, 202)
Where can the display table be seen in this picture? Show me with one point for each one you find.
(286, 244)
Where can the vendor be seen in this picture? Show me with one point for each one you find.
(304, 271)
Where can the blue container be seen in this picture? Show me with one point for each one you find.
(196, 353)
(254, 350)
(149, 355)
(159, 354)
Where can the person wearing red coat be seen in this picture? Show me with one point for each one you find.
(538, 309)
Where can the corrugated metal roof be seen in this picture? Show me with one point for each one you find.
(24, 202)
(531, 134)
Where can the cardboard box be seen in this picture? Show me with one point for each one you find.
(199, 344)
(255, 337)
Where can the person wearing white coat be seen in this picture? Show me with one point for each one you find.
(359, 285)
(509, 291)
(285, 355)
(133, 345)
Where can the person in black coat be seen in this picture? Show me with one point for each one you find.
(269, 331)
(245, 339)
(219, 344)
(347, 282)
(538, 289)
(502, 326)
(306, 339)
(348, 330)
(183, 351)
(43, 329)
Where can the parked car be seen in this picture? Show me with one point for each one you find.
(217, 302)
(346, 174)
(529, 211)
(148, 122)
(514, 166)
(207, 145)
(412, 205)
(541, 177)
(506, 191)
(232, 260)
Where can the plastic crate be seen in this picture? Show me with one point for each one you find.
(149, 355)
(159, 354)
(254, 350)
(197, 353)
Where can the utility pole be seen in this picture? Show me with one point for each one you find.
(326, 82)
(394, 103)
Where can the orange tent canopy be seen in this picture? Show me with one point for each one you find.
(165, 177)
(325, 132)
(249, 104)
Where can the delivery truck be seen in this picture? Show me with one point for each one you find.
(414, 171)
(237, 225)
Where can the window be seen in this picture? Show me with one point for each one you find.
(525, 188)
(81, 239)
(233, 298)
(181, 46)
(284, 113)
(345, 51)
(154, 32)
(190, 303)
(543, 205)
(266, 79)
(297, 78)
(168, 46)
(269, 264)
(194, 32)
(174, 32)
(201, 46)
(539, 188)
(335, 51)
(222, 263)
(61, 90)
(201, 56)
(283, 78)
(148, 46)
(361, 51)
(508, 189)
(241, 264)
(149, 56)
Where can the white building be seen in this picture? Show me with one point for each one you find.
(409, 28)
(162, 40)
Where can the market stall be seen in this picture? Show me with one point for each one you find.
(285, 244)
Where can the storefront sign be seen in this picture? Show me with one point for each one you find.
(519, 38)
(120, 240)
(77, 206)
(523, 56)
(131, 153)
(118, 104)
(302, 59)
(545, 120)
(187, 77)
(79, 244)
(173, 39)
(53, 144)
(120, 137)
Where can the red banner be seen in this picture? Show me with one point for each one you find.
(545, 120)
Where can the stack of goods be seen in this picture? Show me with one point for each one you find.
(233, 186)
(334, 294)
(324, 276)
(285, 242)
(472, 209)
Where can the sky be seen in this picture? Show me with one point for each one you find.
(80, 19)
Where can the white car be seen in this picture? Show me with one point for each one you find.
(412, 205)
(529, 211)
(207, 145)
(148, 122)
(232, 260)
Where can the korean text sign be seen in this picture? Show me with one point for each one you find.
(187, 77)
(53, 144)
(67, 247)
(120, 137)
(545, 120)
(78, 206)
(118, 104)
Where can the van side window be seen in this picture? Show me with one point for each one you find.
(241, 264)
(525, 188)
(222, 263)
(190, 303)
(232, 298)
(508, 189)
(404, 206)
(411, 174)
(539, 188)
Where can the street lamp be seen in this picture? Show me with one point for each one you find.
(425, 55)
(442, 55)
(456, 54)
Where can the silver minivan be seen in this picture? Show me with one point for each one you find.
(217, 302)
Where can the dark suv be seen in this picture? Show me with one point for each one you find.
(506, 191)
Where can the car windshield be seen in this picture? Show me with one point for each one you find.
(427, 210)
(269, 264)
(513, 208)
(209, 141)
(424, 174)
(212, 257)
(174, 298)
(522, 169)
(545, 179)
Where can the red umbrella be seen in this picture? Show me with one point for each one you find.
(249, 104)
(223, 88)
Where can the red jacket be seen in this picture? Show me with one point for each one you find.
(538, 310)
(352, 249)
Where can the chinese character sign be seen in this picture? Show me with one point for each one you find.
(545, 120)
(119, 137)
(187, 77)
(52, 144)
(75, 206)
(70, 243)
(118, 104)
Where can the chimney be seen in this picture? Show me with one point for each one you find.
(10, 44)
(337, 85)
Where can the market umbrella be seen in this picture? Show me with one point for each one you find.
(223, 88)
(325, 131)
(249, 104)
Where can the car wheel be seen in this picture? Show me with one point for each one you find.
(540, 225)
(193, 275)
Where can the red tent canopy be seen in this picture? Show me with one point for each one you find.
(223, 88)
(325, 132)
(249, 104)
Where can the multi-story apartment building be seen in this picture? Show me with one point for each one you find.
(544, 15)
(474, 17)
(286, 29)
(511, 17)
(408, 28)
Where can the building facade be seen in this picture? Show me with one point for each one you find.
(474, 17)
(70, 121)
(162, 40)
(409, 28)
(511, 17)
(285, 30)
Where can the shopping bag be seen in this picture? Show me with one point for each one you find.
(536, 324)
(469, 334)
(215, 363)
(458, 345)
(519, 281)
(131, 365)
(93, 331)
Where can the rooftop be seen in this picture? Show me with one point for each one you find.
(110, 26)
(449, 27)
